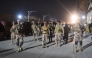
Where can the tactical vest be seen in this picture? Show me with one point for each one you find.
(58, 29)
(13, 29)
(34, 27)
(45, 29)
(19, 28)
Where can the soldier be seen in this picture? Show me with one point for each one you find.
(35, 31)
(51, 31)
(19, 36)
(39, 28)
(77, 36)
(66, 32)
(58, 32)
(45, 31)
(12, 30)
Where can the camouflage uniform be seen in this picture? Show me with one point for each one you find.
(35, 31)
(45, 31)
(78, 36)
(19, 36)
(58, 34)
(39, 29)
(51, 32)
(12, 30)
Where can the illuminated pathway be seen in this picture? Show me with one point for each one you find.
(34, 50)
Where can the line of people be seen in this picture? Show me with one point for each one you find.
(48, 30)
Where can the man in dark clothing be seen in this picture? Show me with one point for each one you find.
(66, 31)
(51, 31)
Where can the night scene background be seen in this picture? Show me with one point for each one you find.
(58, 9)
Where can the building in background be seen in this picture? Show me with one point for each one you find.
(89, 15)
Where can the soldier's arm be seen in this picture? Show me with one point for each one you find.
(11, 29)
(62, 30)
(42, 28)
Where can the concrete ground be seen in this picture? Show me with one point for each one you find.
(33, 49)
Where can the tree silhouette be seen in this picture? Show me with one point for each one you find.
(83, 5)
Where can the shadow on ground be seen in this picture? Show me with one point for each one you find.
(87, 45)
(5, 50)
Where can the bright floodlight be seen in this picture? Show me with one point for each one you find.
(83, 17)
(74, 18)
(19, 16)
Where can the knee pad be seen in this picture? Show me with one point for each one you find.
(76, 42)
(81, 43)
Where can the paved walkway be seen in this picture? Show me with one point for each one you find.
(34, 50)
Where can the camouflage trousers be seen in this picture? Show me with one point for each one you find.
(12, 38)
(78, 38)
(19, 40)
(35, 34)
(44, 38)
(58, 38)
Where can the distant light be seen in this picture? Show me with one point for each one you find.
(74, 18)
(83, 17)
(19, 16)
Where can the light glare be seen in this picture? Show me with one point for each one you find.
(19, 16)
(83, 17)
(74, 18)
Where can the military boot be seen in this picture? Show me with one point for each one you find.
(59, 45)
(18, 49)
(56, 45)
(43, 46)
(21, 49)
(81, 49)
(76, 49)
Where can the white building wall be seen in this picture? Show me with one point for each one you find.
(89, 15)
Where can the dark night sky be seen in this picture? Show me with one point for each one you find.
(54, 8)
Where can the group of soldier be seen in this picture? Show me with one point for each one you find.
(47, 30)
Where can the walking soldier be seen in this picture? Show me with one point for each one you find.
(12, 30)
(58, 32)
(19, 36)
(77, 36)
(45, 31)
(35, 31)
(51, 31)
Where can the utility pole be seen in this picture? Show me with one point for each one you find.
(44, 16)
(29, 12)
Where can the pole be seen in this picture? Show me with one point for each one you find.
(44, 16)
(28, 16)
(29, 12)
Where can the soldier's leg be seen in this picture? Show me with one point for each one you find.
(21, 42)
(81, 46)
(34, 34)
(51, 37)
(66, 39)
(38, 33)
(59, 39)
(76, 45)
(17, 43)
(43, 39)
(56, 39)
(11, 39)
